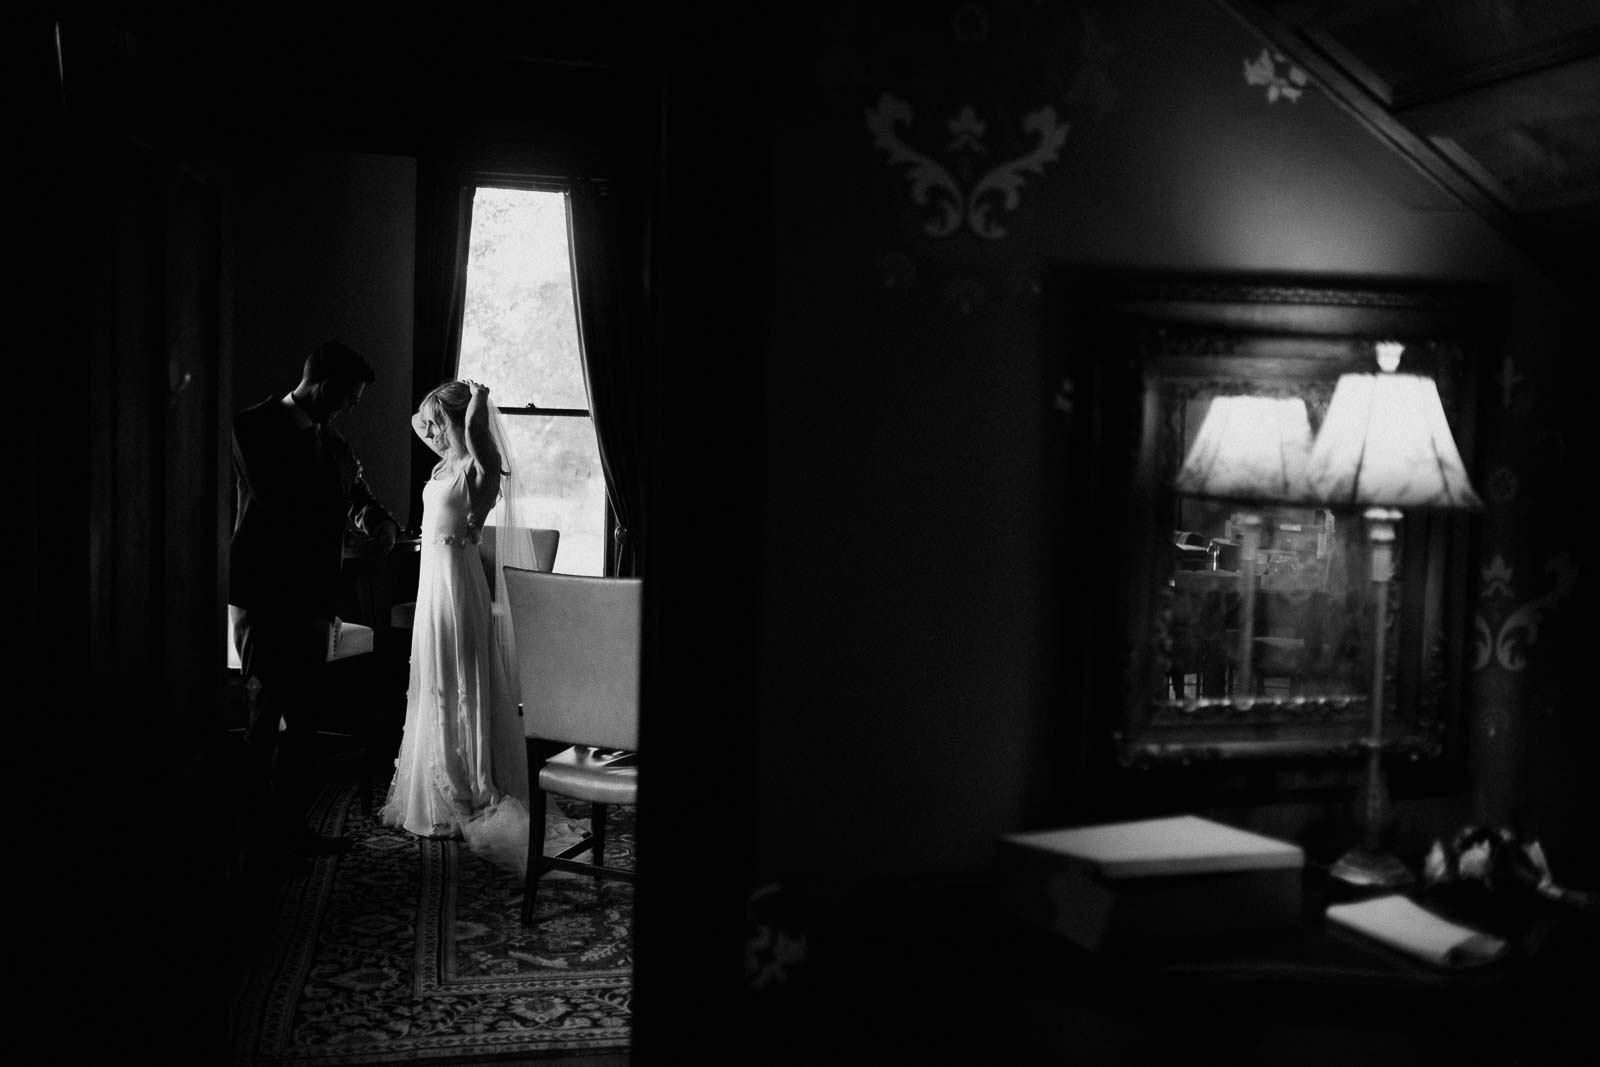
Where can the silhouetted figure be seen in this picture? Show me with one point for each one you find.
(299, 484)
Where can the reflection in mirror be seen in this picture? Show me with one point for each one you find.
(1264, 613)
(1268, 598)
(1240, 617)
(1304, 635)
(1251, 450)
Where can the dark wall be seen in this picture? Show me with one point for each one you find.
(884, 627)
(911, 607)
(117, 498)
(910, 614)
(324, 245)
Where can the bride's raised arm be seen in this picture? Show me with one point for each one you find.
(487, 463)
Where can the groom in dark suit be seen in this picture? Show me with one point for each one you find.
(299, 484)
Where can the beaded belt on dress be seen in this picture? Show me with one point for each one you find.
(471, 537)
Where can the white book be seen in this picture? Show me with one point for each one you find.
(1179, 844)
(1153, 882)
(1399, 923)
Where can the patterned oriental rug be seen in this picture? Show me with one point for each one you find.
(410, 950)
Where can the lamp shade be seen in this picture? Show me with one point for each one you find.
(1385, 442)
(1249, 448)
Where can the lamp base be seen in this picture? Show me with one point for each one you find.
(1362, 867)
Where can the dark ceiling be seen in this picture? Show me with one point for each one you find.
(1498, 100)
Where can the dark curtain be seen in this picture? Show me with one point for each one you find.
(444, 228)
(606, 236)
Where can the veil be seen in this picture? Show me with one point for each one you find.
(513, 545)
(501, 831)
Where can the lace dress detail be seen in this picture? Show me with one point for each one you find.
(462, 768)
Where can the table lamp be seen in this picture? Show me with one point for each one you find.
(1384, 445)
(1252, 450)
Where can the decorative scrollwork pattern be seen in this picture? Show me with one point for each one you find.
(934, 184)
(1506, 644)
(1283, 80)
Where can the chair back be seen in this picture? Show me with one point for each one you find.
(578, 643)
(545, 543)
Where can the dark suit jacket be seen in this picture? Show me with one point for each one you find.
(292, 508)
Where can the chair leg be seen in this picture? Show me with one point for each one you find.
(530, 883)
(366, 781)
(597, 832)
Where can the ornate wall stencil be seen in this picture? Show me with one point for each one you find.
(970, 23)
(1494, 720)
(1503, 631)
(1273, 70)
(1502, 485)
(896, 271)
(773, 949)
(1092, 86)
(972, 107)
(966, 293)
(932, 182)
(1026, 281)
(1497, 578)
(1063, 398)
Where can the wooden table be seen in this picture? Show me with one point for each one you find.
(1318, 994)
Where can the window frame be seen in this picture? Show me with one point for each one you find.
(544, 184)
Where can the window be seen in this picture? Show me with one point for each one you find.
(519, 336)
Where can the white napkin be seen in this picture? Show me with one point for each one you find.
(1401, 924)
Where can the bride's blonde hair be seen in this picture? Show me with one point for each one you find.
(513, 545)
(449, 401)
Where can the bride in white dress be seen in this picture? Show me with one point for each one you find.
(462, 771)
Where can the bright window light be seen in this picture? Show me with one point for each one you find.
(519, 336)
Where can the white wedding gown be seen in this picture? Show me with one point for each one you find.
(462, 769)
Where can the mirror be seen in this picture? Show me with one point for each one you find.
(1178, 657)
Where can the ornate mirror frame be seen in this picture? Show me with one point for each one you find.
(1133, 347)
